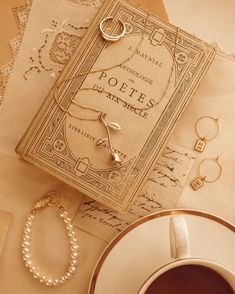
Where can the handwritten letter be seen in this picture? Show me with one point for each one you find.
(161, 191)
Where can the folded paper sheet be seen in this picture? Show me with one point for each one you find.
(13, 20)
(5, 219)
(216, 97)
(9, 28)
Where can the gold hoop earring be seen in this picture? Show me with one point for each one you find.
(203, 139)
(110, 38)
(201, 179)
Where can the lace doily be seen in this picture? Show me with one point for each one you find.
(21, 15)
(90, 3)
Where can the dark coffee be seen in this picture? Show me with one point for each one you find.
(190, 279)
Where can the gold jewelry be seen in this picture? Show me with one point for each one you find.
(110, 38)
(201, 179)
(100, 115)
(203, 139)
(50, 199)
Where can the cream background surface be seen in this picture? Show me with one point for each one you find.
(215, 96)
(214, 22)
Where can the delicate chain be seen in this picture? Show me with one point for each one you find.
(92, 89)
(120, 99)
(102, 115)
(106, 92)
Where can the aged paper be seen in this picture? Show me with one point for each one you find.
(13, 20)
(8, 27)
(5, 220)
(22, 184)
(14, 17)
(22, 92)
(132, 95)
(215, 97)
(161, 191)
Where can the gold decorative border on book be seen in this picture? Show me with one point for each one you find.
(136, 169)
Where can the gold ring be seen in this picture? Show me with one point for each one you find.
(112, 38)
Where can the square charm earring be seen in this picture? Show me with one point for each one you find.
(199, 181)
(203, 139)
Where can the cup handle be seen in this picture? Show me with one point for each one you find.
(179, 237)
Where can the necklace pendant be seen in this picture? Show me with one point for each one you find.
(200, 145)
(115, 158)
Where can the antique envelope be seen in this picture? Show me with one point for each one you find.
(144, 96)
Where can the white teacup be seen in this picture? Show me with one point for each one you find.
(180, 252)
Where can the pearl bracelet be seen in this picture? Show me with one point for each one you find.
(50, 199)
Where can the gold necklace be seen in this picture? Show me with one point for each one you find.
(102, 116)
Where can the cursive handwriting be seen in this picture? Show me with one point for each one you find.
(161, 190)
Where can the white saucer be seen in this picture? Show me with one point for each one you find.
(144, 246)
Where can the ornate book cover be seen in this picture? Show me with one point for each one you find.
(142, 83)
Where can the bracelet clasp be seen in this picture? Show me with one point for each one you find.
(52, 198)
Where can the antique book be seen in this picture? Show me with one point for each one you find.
(142, 83)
